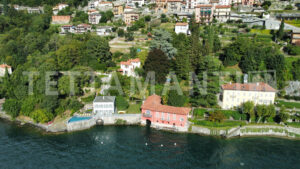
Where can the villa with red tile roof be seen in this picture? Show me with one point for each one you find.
(3, 68)
(182, 28)
(162, 116)
(128, 67)
(234, 94)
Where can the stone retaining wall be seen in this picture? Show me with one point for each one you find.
(251, 130)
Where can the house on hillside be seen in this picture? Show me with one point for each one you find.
(130, 17)
(234, 94)
(182, 28)
(204, 13)
(94, 18)
(3, 68)
(104, 105)
(104, 30)
(128, 67)
(222, 12)
(164, 117)
(61, 19)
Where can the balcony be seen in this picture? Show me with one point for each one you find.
(147, 115)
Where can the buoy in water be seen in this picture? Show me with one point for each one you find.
(101, 142)
(161, 145)
(242, 164)
(174, 144)
(146, 144)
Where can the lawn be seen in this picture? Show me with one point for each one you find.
(225, 124)
(167, 26)
(293, 22)
(294, 124)
(134, 108)
(261, 31)
(289, 105)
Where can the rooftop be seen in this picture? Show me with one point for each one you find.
(101, 99)
(61, 18)
(181, 24)
(128, 62)
(154, 103)
(5, 66)
(262, 87)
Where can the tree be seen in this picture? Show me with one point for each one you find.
(121, 32)
(248, 108)
(260, 111)
(163, 18)
(280, 32)
(41, 116)
(158, 63)
(133, 52)
(12, 107)
(121, 103)
(162, 40)
(174, 99)
(296, 70)
(216, 116)
(69, 55)
(129, 36)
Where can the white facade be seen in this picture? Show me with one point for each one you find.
(182, 28)
(104, 105)
(235, 97)
(127, 68)
(104, 30)
(225, 2)
(3, 68)
(222, 13)
(94, 18)
(133, 2)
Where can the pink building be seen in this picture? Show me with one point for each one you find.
(163, 116)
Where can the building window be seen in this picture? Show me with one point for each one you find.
(148, 112)
(157, 114)
(168, 117)
(181, 119)
(162, 116)
(174, 117)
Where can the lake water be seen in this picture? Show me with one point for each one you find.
(125, 147)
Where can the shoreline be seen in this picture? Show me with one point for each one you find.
(234, 132)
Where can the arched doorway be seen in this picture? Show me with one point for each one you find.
(148, 123)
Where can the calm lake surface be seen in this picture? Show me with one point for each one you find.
(124, 147)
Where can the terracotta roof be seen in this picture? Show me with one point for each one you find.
(223, 6)
(106, 2)
(61, 18)
(203, 5)
(84, 25)
(128, 62)
(263, 87)
(5, 66)
(154, 103)
(181, 24)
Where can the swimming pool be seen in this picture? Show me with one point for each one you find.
(76, 118)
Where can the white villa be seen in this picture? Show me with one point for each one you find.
(128, 67)
(104, 30)
(104, 105)
(234, 94)
(94, 18)
(3, 68)
(182, 28)
(59, 7)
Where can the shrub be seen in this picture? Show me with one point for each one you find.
(216, 116)
(292, 50)
(41, 116)
(121, 103)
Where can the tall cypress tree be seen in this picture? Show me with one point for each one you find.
(280, 32)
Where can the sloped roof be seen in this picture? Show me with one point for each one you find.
(128, 62)
(5, 66)
(154, 103)
(263, 87)
(100, 99)
(181, 24)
